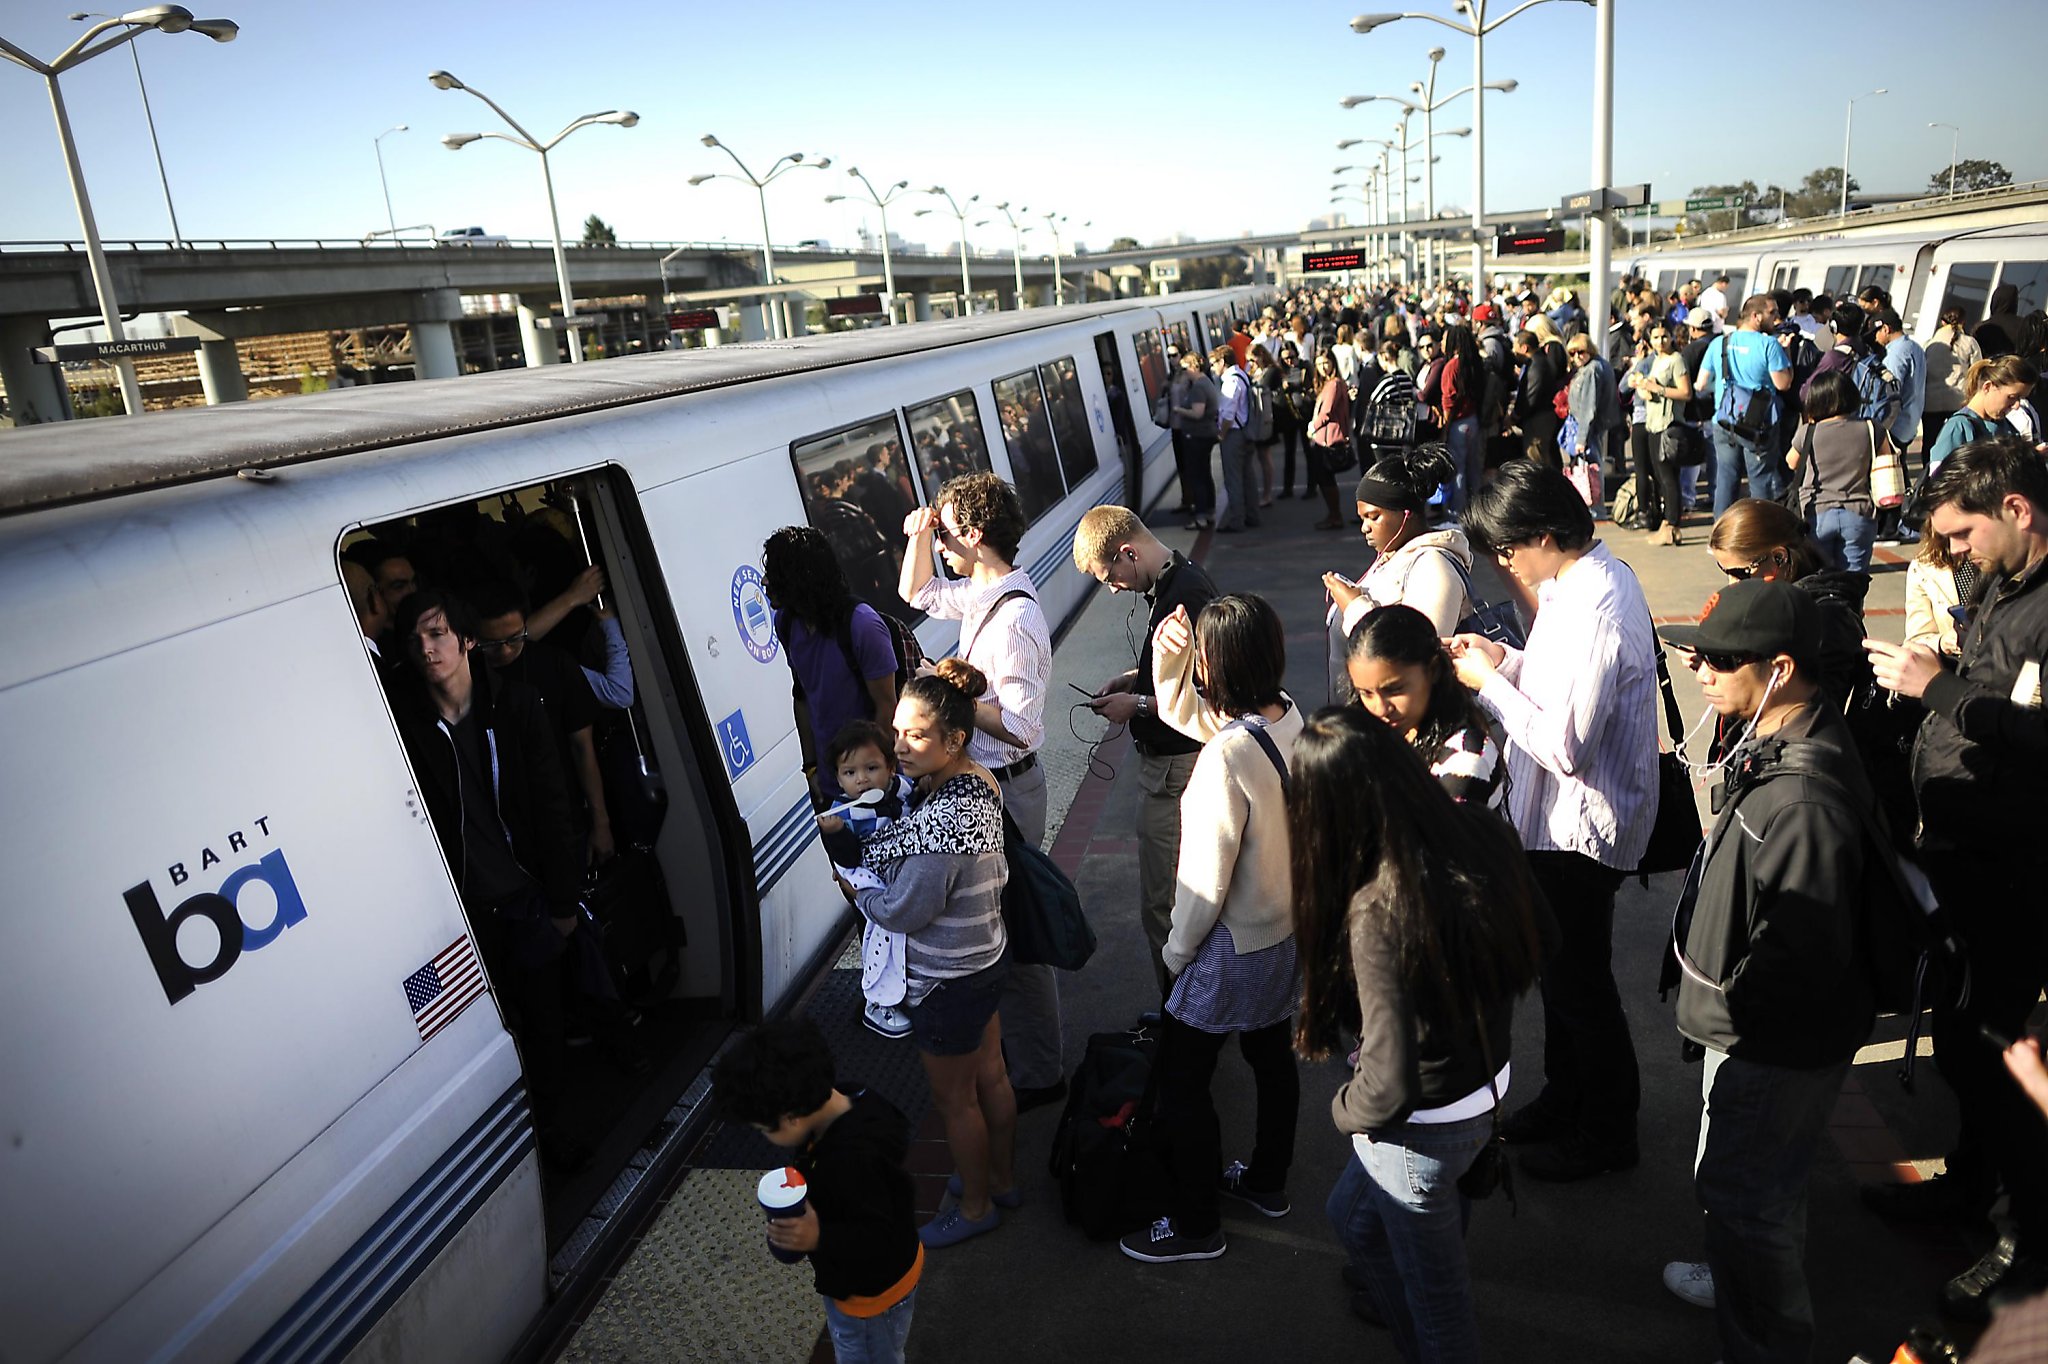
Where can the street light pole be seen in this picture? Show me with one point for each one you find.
(1600, 226)
(149, 117)
(1017, 231)
(166, 19)
(1059, 289)
(1848, 131)
(1955, 140)
(770, 307)
(455, 142)
(378, 142)
(1476, 30)
(966, 283)
(881, 203)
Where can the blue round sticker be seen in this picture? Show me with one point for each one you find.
(750, 612)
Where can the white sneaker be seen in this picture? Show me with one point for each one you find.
(886, 1019)
(1691, 1281)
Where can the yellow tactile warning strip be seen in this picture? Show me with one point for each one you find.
(701, 1286)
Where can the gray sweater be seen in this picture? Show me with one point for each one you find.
(949, 907)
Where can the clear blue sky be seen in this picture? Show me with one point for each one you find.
(1203, 118)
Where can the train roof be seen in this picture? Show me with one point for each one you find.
(1831, 238)
(75, 461)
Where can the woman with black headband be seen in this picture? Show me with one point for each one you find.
(1419, 559)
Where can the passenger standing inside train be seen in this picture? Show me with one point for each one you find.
(493, 786)
(1113, 546)
(936, 876)
(1776, 983)
(1234, 442)
(841, 652)
(1418, 927)
(1194, 401)
(373, 617)
(1231, 946)
(1578, 705)
(1977, 774)
(978, 522)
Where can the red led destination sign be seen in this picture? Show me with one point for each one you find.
(854, 305)
(1315, 261)
(1529, 243)
(696, 319)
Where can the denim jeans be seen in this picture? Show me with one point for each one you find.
(1846, 537)
(1240, 486)
(1398, 1213)
(1468, 457)
(1758, 1133)
(1733, 455)
(870, 1340)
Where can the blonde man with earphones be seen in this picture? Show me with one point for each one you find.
(1112, 546)
(1774, 985)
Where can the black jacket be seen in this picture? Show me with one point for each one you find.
(1775, 924)
(1978, 759)
(532, 795)
(1535, 392)
(867, 1222)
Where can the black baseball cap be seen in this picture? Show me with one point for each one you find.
(1755, 618)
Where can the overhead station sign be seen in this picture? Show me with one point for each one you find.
(1600, 200)
(116, 350)
(854, 305)
(1315, 262)
(1529, 243)
(695, 320)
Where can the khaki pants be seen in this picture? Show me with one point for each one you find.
(1160, 783)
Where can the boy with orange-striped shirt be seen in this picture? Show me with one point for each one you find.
(858, 1225)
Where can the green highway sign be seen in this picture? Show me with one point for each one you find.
(1719, 201)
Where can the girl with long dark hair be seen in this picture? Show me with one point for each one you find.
(1463, 384)
(1402, 676)
(1417, 927)
(841, 652)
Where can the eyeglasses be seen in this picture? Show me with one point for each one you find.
(1746, 571)
(497, 645)
(1724, 663)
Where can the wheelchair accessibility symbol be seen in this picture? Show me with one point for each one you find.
(733, 743)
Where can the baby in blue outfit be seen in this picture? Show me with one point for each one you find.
(862, 757)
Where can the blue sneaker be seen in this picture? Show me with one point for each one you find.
(951, 1227)
(1010, 1198)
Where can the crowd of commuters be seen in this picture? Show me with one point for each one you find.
(1385, 878)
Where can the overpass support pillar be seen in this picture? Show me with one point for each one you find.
(538, 344)
(432, 319)
(1045, 295)
(920, 307)
(35, 393)
(220, 372)
(220, 364)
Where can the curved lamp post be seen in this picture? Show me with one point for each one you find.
(1954, 141)
(390, 218)
(966, 285)
(164, 19)
(455, 142)
(1017, 231)
(148, 117)
(1848, 129)
(1475, 26)
(783, 165)
(881, 202)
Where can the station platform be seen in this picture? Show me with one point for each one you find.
(1573, 1275)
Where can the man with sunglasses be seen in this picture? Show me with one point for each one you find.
(1775, 985)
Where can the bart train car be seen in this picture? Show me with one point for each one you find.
(1924, 271)
(258, 1102)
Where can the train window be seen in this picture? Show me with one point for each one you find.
(1840, 282)
(1878, 276)
(1069, 411)
(1027, 431)
(1969, 287)
(1177, 339)
(1783, 275)
(1215, 329)
(1667, 280)
(1151, 364)
(1737, 290)
(857, 489)
(946, 433)
(2030, 277)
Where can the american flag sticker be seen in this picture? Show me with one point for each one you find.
(444, 987)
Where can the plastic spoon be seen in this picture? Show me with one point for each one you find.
(874, 797)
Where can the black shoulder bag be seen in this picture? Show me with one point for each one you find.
(1489, 1169)
(1675, 836)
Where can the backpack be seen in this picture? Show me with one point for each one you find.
(1916, 958)
(1104, 1159)
(1877, 392)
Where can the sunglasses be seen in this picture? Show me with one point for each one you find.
(1724, 663)
(1745, 572)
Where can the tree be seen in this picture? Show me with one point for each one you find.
(1970, 175)
(597, 232)
(1212, 272)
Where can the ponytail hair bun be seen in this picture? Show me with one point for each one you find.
(960, 674)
